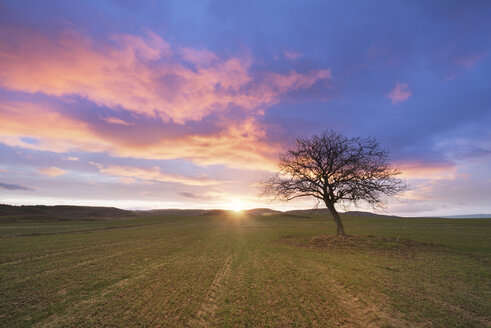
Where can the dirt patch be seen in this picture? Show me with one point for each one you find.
(386, 245)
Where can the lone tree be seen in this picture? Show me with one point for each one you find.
(335, 169)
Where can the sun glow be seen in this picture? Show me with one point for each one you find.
(237, 205)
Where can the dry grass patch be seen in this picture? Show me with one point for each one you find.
(387, 245)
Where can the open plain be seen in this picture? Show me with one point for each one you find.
(245, 271)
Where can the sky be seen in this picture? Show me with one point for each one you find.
(188, 104)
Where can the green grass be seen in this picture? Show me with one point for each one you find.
(272, 271)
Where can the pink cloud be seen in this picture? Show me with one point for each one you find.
(292, 55)
(400, 93)
(450, 78)
(428, 177)
(145, 76)
(464, 63)
(431, 170)
(56, 131)
(282, 83)
(140, 74)
(52, 171)
(200, 57)
(470, 60)
(236, 143)
(117, 121)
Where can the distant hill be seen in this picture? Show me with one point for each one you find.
(370, 214)
(309, 211)
(216, 212)
(262, 211)
(468, 216)
(192, 212)
(325, 211)
(172, 211)
(69, 212)
(254, 211)
(62, 212)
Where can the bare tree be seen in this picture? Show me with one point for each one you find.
(335, 169)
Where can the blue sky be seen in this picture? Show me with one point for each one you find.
(188, 104)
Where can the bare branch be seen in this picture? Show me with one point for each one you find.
(333, 168)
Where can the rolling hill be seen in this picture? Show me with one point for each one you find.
(61, 212)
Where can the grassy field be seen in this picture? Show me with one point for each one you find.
(245, 271)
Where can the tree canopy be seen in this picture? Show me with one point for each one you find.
(335, 169)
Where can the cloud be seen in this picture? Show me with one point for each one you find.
(117, 121)
(52, 171)
(474, 144)
(431, 180)
(233, 143)
(13, 186)
(292, 55)
(428, 177)
(429, 170)
(400, 93)
(283, 83)
(152, 174)
(140, 74)
(413, 206)
(189, 195)
(56, 131)
(426, 190)
(470, 60)
(126, 180)
(185, 103)
(71, 158)
(199, 57)
(463, 63)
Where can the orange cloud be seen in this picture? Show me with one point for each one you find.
(52, 171)
(143, 75)
(55, 131)
(128, 174)
(433, 171)
(427, 178)
(237, 144)
(240, 144)
(140, 74)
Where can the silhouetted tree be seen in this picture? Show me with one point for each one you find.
(335, 169)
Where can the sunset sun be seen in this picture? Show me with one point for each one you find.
(237, 205)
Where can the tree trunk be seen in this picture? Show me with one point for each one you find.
(336, 218)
